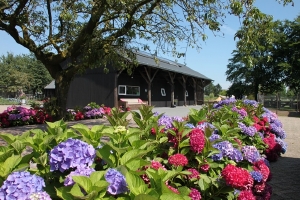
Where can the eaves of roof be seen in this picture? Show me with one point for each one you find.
(161, 63)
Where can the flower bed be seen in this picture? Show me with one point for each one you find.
(20, 116)
(218, 152)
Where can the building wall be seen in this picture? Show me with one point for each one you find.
(95, 86)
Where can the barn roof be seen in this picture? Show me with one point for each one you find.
(168, 65)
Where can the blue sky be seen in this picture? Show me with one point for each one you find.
(212, 59)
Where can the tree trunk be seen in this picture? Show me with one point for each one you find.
(62, 85)
(184, 95)
(149, 94)
(172, 94)
(116, 91)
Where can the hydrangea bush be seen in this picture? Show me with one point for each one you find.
(20, 116)
(221, 151)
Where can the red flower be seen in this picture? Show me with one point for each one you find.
(195, 173)
(274, 149)
(205, 167)
(246, 195)
(195, 194)
(156, 165)
(178, 160)
(237, 177)
(197, 140)
(262, 168)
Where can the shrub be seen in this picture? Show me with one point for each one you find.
(208, 156)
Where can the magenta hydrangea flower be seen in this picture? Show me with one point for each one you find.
(195, 194)
(20, 185)
(117, 182)
(195, 173)
(197, 140)
(71, 154)
(178, 160)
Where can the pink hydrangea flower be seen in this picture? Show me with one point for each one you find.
(178, 160)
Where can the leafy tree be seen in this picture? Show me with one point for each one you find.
(287, 52)
(23, 73)
(69, 36)
(261, 72)
(209, 89)
(217, 90)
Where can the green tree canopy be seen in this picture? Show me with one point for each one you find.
(22, 73)
(98, 31)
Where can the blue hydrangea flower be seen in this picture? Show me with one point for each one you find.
(71, 154)
(117, 182)
(20, 185)
(282, 143)
(39, 196)
(236, 155)
(251, 153)
(217, 157)
(257, 176)
(189, 125)
(248, 130)
(80, 171)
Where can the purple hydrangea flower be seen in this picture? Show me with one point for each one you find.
(204, 125)
(248, 130)
(251, 102)
(71, 154)
(279, 132)
(19, 185)
(257, 176)
(117, 182)
(224, 102)
(165, 121)
(251, 153)
(39, 196)
(80, 171)
(178, 119)
(214, 137)
(226, 149)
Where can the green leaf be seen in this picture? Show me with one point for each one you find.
(171, 196)
(8, 138)
(6, 155)
(135, 183)
(96, 176)
(64, 193)
(76, 191)
(84, 182)
(18, 146)
(135, 164)
(132, 154)
(145, 197)
(11, 163)
(42, 160)
(82, 129)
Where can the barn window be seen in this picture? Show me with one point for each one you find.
(186, 93)
(129, 90)
(163, 92)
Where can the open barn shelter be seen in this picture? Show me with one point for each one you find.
(156, 81)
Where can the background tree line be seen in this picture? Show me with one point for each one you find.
(274, 64)
(22, 73)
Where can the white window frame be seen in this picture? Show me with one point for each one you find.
(119, 90)
(163, 92)
(126, 89)
(186, 93)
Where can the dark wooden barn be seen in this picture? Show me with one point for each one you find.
(158, 82)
